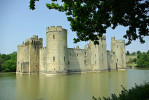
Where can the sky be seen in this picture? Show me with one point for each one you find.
(18, 22)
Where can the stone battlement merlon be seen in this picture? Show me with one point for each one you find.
(54, 29)
(103, 37)
(120, 41)
(113, 38)
(34, 38)
(20, 45)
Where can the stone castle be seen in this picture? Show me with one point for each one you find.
(56, 58)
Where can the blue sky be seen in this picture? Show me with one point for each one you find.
(18, 22)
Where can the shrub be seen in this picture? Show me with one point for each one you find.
(139, 92)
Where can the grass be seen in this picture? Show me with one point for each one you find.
(131, 64)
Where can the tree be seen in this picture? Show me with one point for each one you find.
(133, 53)
(138, 52)
(8, 62)
(148, 51)
(5, 57)
(127, 53)
(1, 62)
(143, 60)
(91, 18)
(9, 66)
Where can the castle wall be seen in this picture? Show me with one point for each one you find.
(57, 60)
(78, 60)
(111, 61)
(118, 46)
(28, 55)
(102, 53)
(42, 60)
(34, 54)
(20, 52)
(22, 58)
(99, 55)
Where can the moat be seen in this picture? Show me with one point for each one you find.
(68, 87)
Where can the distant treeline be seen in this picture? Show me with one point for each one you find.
(8, 62)
(142, 59)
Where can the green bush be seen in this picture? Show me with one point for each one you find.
(8, 62)
(143, 60)
(140, 92)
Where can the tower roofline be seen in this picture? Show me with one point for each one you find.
(54, 29)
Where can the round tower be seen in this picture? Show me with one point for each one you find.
(56, 43)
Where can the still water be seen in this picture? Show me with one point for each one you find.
(68, 87)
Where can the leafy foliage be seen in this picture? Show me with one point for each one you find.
(136, 93)
(8, 62)
(143, 60)
(127, 53)
(88, 17)
(133, 53)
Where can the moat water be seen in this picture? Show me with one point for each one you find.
(68, 87)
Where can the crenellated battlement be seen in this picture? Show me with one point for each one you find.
(117, 41)
(35, 36)
(34, 39)
(120, 41)
(56, 58)
(103, 37)
(55, 29)
(113, 38)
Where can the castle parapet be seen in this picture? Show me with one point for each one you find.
(54, 29)
(103, 37)
(33, 39)
(113, 38)
(35, 36)
(120, 41)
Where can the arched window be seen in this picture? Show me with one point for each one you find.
(64, 59)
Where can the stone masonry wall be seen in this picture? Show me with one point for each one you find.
(118, 46)
(57, 58)
(42, 60)
(56, 43)
(78, 60)
(99, 55)
(111, 61)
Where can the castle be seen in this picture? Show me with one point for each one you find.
(56, 58)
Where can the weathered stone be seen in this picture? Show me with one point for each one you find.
(56, 58)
